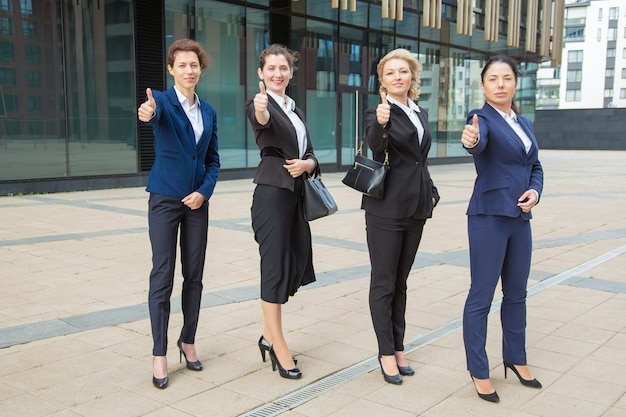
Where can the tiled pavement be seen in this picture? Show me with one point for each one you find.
(75, 338)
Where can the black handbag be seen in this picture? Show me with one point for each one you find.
(367, 175)
(318, 202)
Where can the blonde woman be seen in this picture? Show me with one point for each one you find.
(394, 223)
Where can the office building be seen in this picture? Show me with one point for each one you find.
(72, 74)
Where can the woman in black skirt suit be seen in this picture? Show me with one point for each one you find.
(280, 229)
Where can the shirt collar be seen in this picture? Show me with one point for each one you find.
(182, 99)
(512, 116)
(291, 104)
(411, 106)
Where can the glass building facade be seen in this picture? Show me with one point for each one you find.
(72, 73)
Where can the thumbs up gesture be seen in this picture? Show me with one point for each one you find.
(148, 108)
(471, 133)
(383, 111)
(260, 100)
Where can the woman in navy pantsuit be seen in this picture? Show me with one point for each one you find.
(278, 221)
(508, 185)
(394, 223)
(180, 184)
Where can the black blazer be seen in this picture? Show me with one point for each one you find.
(277, 135)
(409, 190)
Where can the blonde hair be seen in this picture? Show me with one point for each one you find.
(414, 90)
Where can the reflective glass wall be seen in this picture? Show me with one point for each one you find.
(67, 89)
(68, 77)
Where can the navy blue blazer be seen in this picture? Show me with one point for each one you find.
(409, 189)
(181, 166)
(279, 134)
(504, 170)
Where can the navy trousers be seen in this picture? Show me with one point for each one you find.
(499, 247)
(165, 217)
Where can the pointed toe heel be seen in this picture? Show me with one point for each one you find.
(491, 397)
(532, 383)
(193, 366)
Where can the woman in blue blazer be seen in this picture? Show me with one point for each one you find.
(508, 185)
(180, 184)
(280, 229)
(397, 127)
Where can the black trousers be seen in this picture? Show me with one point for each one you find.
(165, 217)
(392, 246)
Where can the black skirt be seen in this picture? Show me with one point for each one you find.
(284, 239)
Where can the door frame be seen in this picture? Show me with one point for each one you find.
(355, 117)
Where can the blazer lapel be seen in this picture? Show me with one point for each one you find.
(426, 140)
(181, 114)
(506, 128)
(207, 125)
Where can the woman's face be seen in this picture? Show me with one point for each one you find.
(499, 85)
(397, 79)
(276, 73)
(186, 70)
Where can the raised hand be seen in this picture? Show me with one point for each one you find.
(260, 100)
(146, 111)
(471, 133)
(383, 111)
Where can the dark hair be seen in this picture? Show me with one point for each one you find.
(188, 45)
(505, 59)
(278, 49)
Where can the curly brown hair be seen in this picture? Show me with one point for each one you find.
(191, 46)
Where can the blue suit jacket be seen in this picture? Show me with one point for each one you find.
(504, 170)
(181, 166)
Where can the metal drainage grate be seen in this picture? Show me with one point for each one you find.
(307, 393)
(339, 378)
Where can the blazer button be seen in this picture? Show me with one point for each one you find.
(193, 157)
(417, 164)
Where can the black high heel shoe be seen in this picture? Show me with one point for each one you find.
(160, 383)
(392, 379)
(533, 383)
(264, 346)
(194, 366)
(492, 398)
(285, 373)
(406, 370)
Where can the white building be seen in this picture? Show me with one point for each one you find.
(593, 71)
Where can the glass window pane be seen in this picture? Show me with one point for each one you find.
(220, 28)
(314, 89)
(257, 39)
(101, 90)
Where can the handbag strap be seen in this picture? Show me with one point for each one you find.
(360, 152)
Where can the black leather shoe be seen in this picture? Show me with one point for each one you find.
(285, 373)
(392, 379)
(264, 346)
(492, 397)
(160, 383)
(406, 370)
(194, 366)
(533, 383)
